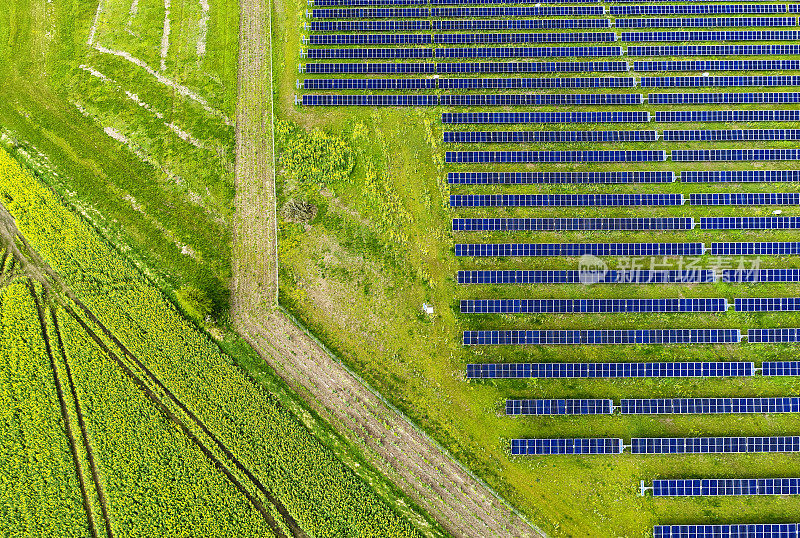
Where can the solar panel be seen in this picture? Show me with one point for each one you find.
(526, 52)
(368, 26)
(546, 370)
(456, 2)
(708, 406)
(520, 24)
(713, 445)
(330, 3)
(742, 35)
(781, 368)
(370, 13)
(740, 176)
(531, 11)
(519, 178)
(634, 276)
(767, 304)
(369, 39)
(736, 155)
(732, 134)
(747, 198)
(370, 84)
(371, 54)
(726, 115)
(369, 68)
(581, 249)
(559, 407)
(711, 50)
(532, 83)
(525, 137)
(718, 65)
(758, 530)
(696, 9)
(530, 67)
(761, 275)
(576, 337)
(749, 223)
(566, 224)
(725, 486)
(549, 37)
(705, 22)
(554, 156)
(370, 100)
(556, 200)
(590, 306)
(724, 81)
(546, 117)
(541, 447)
(765, 336)
(778, 248)
(543, 99)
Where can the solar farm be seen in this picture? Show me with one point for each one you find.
(621, 188)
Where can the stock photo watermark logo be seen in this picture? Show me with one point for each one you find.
(591, 269)
(643, 270)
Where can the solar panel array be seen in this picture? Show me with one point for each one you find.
(705, 22)
(745, 198)
(369, 39)
(581, 249)
(708, 406)
(717, 65)
(525, 178)
(722, 98)
(587, 156)
(545, 117)
(530, 67)
(696, 9)
(618, 369)
(531, 11)
(768, 304)
(526, 137)
(370, 13)
(780, 368)
(726, 486)
(740, 176)
(369, 100)
(719, 81)
(765, 336)
(749, 223)
(527, 52)
(369, 54)
(564, 224)
(369, 68)
(542, 447)
(569, 200)
(740, 35)
(590, 337)
(635, 276)
(726, 115)
(368, 26)
(521, 24)
(711, 50)
(554, 37)
(757, 530)
(761, 275)
(735, 154)
(559, 407)
(732, 134)
(777, 248)
(542, 99)
(714, 445)
(534, 83)
(590, 306)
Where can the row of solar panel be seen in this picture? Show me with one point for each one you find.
(768, 304)
(725, 486)
(589, 156)
(696, 9)
(462, 67)
(362, 53)
(521, 447)
(732, 134)
(572, 224)
(720, 81)
(543, 99)
(525, 52)
(545, 37)
(369, 13)
(718, 65)
(749, 223)
(634, 276)
(548, 117)
(670, 445)
(594, 306)
(739, 176)
(424, 25)
(558, 200)
(712, 50)
(520, 137)
(324, 3)
(587, 337)
(662, 406)
(785, 335)
(694, 116)
(466, 83)
(754, 530)
(735, 155)
(777, 248)
(556, 370)
(731, 35)
(722, 98)
(526, 178)
(745, 198)
(705, 22)
(473, 12)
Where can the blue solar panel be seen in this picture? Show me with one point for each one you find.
(740, 176)
(778, 248)
(745, 198)
(539, 370)
(370, 13)
(763, 336)
(530, 67)
(713, 445)
(781, 368)
(713, 81)
(458, 2)
(635, 276)
(543, 99)
(736, 155)
(555, 156)
(726, 115)
(749, 223)
(757, 530)
(333, 3)
(531, 83)
(559, 407)
(726, 486)
(767, 304)
(370, 84)
(590, 306)
(712, 50)
(370, 100)
(520, 24)
(732, 134)
(717, 65)
(524, 137)
(541, 447)
(532, 11)
(368, 26)
(369, 39)
(709, 406)
(556, 200)
(550, 37)
(696, 9)
(518, 178)
(562, 224)
(745, 35)
(546, 117)
(705, 22)
(575, 337)
(761, 275)
(370, 54)
(526, 52)
(369, 68)
(581, 249)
